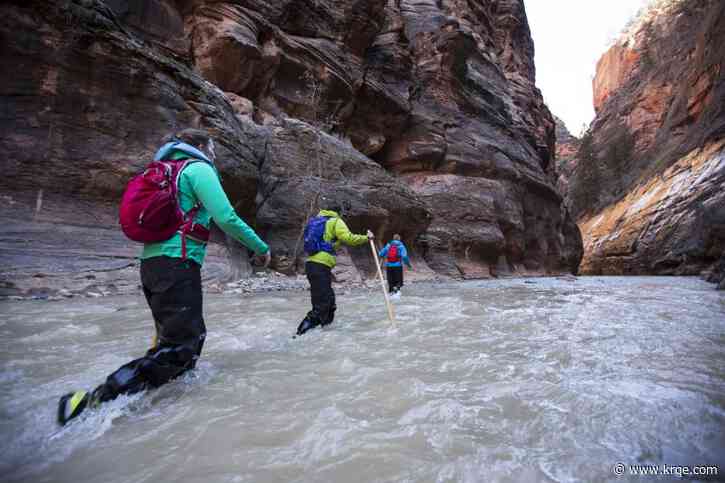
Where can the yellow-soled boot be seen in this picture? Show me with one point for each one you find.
(72, 405)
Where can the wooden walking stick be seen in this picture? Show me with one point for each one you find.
(391, 316)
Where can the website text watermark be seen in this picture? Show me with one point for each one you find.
(621, 469)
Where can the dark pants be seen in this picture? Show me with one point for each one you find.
(395, 279)
(322, 295)
(173, 291)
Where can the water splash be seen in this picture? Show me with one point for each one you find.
(482, 381)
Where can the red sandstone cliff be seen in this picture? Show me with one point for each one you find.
(647, 189)
(422, 114)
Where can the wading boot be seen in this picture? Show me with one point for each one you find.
(73, 404)
(306, 325)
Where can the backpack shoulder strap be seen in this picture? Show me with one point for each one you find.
(184, 163)
(190, 229)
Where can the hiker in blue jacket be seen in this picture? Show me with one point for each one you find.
(394, 254)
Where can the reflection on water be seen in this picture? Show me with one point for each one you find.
(482, 381)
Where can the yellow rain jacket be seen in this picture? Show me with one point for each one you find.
(336, 233)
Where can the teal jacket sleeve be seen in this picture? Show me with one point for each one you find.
(210, 193)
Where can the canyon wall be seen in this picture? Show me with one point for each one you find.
(423, 116)
(567, 149)
(647, 186)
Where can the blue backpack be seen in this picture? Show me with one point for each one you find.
(314, 236)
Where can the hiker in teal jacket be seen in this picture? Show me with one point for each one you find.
(172, 282)
(395, 254)
(319, 265)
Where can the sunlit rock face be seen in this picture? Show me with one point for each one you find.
(647, 189)
(672, 223)
(422, 115)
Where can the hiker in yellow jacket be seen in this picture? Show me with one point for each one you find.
(324, 234)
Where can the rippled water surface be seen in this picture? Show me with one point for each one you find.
(511, 380)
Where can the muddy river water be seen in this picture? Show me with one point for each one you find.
(505, 380)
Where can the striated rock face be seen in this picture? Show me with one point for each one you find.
(290, 182)
(422, 115)
(567, 147)
(648, 184)
(673, 223)
(424, 88)
(84, 109)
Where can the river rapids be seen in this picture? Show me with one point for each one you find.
(501, 381)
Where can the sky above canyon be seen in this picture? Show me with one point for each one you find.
(569, 37)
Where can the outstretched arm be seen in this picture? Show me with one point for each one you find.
(404, 256)
(344, 235)
(209, 191)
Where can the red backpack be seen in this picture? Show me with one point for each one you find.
(393, 254)
(150, 210)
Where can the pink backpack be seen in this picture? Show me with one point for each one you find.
(150, 210)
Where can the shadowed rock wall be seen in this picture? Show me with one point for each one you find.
(422, 115)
